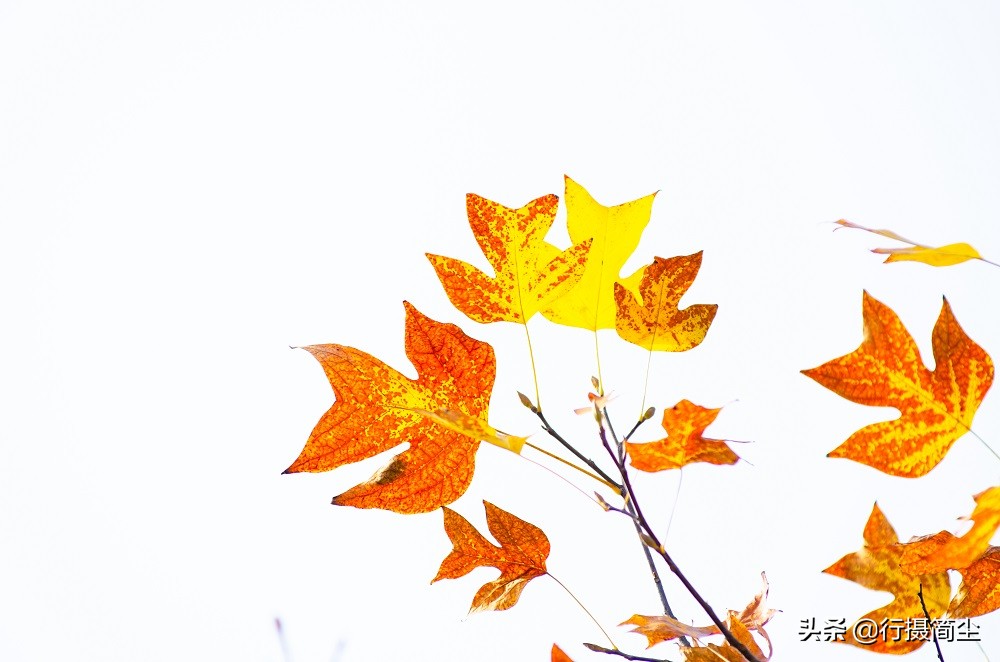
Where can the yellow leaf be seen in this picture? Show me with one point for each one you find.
(941, 256)
(529, 276)
(876, 566)
(615, 232)
(936, 408)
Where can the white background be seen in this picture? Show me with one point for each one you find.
(188, 188)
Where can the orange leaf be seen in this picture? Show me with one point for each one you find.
(943, 551)
(979, 592)
(655, 320)
(513, 241)
(558, 655)
(876, 566)
(520, 557)
(886, 371)
(684, 444)
(941, 256)
(372, 414)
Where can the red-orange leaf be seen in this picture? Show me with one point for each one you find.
(886, 371)
(520, 557)
(558, 655)
(373, 413)
(979, 592)
(656, 322)
(685, 424)
(876, 566)
(513, 240)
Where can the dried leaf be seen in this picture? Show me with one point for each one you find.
(520, 557)
(876, 566)
(529, 276)
(373, 413)
(726, 651)
(943, 551)
(941, 256)
(754, 616)
(886, 371)
(979, 592)
(684, 444)
(653, 320)
(615, 232)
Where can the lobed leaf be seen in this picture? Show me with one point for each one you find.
(373, 412)
(519, 558)
(684, 444)
(653, 319)
(529, 276)
(877, 566)
(615, 232)
(936, 408)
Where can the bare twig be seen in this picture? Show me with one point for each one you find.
(590, 463)
(930, 623)
(630, 496)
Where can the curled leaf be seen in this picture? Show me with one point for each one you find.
(473, 427)
(979, 592)
(941, 256)
(943, 551)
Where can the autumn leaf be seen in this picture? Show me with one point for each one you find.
(979, 592)
(653, 320)
(373, 413)
(684, 444)
(519, 558)
(615, 232)
(558, 655)
(529, 276)
(936, 408)
(876, 566)
(941, 256)
(943, 551)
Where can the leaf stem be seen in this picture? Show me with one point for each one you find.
(613, 486)
(603, 631)
(534, 372)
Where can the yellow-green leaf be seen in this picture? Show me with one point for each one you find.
(940, 256)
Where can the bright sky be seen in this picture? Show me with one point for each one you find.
(188, 188)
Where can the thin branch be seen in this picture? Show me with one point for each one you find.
(630, 495)
(590, 463)
(923, 605)
(627, 656)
